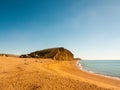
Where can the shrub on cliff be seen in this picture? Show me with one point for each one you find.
(59, 53)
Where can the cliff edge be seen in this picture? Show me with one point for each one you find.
(59, 53)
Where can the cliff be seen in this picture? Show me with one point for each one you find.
(59, 53)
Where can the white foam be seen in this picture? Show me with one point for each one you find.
(84, 70)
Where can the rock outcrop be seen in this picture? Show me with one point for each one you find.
(59, 53)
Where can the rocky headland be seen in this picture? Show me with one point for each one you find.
(58, 53)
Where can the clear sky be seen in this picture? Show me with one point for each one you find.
(88, 28)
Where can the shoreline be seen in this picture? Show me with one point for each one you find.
(74, 71)
(44, 74)
(92, 72)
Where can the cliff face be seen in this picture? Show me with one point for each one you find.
(53, 53)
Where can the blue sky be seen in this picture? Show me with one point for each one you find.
(88, 28)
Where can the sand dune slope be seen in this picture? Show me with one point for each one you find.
(46, 74)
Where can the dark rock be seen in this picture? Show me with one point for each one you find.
(24, 56)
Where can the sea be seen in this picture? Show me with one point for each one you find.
(104, 67)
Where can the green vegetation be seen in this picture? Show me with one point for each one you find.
(53, 53)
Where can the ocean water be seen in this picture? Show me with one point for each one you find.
(104, 67)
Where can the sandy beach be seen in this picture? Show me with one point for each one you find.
(46, 74)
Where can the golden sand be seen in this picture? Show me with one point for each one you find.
(46, 74)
